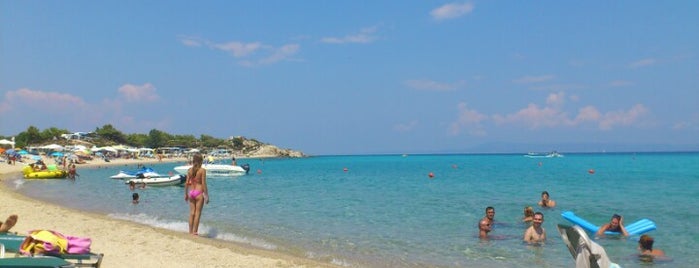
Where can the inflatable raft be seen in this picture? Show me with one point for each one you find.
(54, 173)
(639, 227)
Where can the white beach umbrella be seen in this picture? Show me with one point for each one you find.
(108, 149)
(6, 142)
(54, 147)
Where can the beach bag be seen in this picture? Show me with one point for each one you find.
(47, 242)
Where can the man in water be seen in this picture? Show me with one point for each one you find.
(535, 233)
(486, 224)
(545, 201)
(616, 224)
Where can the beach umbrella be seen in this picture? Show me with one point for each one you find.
(108, 149)
(53, 147)
(10, 151)
(6, 142)
(23, 152)
(57, 154)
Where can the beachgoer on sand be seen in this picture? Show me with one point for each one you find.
(196, 192)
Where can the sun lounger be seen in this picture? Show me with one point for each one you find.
(35, 262)
(12, 242)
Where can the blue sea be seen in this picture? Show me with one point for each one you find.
(385, 211)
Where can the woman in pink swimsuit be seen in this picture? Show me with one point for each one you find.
(196, 192)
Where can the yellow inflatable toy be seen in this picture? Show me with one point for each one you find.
(51, 173)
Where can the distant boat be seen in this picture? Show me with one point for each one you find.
(541, 155)
(554, 154)
(218, 170)
(132, 174)
(159, 181)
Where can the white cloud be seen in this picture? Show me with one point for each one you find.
(588, 114)
(405, 127)
(42, 100)
(238, 49)
(366, 35)
(191, 41)
(533, 79)
(556, 99)
(549, 116)
(468, 119)
(642, 63)
(451, 11)
(247, 53)
(534, 117)
(432, 85)
(136, 93)
(623, 118)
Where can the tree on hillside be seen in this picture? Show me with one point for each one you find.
(108, 132)
(52, 133)
(31, 136)
(137, 139)
(157, 138)
(211, 142)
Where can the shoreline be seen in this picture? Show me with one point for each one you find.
(127, 244)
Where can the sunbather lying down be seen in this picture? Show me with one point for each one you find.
(8, 224)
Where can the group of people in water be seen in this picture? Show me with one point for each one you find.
(536, 233)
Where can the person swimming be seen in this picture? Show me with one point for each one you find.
(616, 224)
(528, 214)
(645, 247)
(545, 201)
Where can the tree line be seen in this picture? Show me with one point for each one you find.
(107, 135)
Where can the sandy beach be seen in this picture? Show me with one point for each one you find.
(128, 244)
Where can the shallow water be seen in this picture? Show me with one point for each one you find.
(385, 211)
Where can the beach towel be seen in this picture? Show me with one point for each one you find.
(49, 242)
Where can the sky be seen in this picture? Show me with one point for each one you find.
(360, 77)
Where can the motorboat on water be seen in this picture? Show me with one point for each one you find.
(133, 174)
(540, 155)
(159, 181)
(218, 170)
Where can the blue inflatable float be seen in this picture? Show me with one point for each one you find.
(639, 227)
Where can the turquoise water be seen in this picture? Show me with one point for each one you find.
(385, 211)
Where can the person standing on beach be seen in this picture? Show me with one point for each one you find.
(72, 172)
(196, 192)
(486, 223)
(535, 233)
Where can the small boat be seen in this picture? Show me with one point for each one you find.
(159, 181)
(30, 173)
(538, 155)
(218, 170)
(133, 174)
(554, 154)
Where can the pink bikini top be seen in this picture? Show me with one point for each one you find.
(195, 179)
